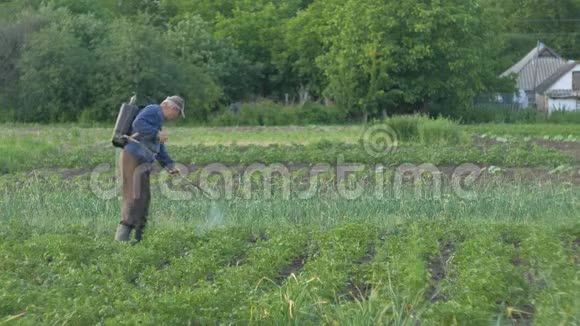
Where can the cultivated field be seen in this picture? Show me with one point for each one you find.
(414, 222)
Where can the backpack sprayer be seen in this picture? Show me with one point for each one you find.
(127, 114)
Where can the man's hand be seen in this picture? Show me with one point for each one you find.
(162, 136)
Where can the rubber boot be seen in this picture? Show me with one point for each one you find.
(123, 233)
(138, 234)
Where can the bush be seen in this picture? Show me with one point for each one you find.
(7, 115)
(316, 113)
(406, 127)
(225, 119)
(564, 117)
(268, 113)
(525, 116)
(499, 114)
(440, 130)
(426, 130)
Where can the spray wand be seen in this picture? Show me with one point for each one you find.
(193, 185)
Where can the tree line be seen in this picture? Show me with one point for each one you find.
(65, 60)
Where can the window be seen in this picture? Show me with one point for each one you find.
(576, 80)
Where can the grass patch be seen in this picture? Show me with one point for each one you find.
(536, 131)
(31, 154)
(24, 153)
(419, 129)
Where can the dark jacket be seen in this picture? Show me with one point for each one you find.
(147, 124)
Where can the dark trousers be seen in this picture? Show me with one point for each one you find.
(136, 192)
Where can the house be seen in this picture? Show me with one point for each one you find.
(561, 91)
(532, 70)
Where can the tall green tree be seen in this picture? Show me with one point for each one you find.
(304, 42)
(524, 23)
(54, 77)
(256, 29)
(377, 60)
(137, 58)
(14, 35)
(193, 42)
(209, 10)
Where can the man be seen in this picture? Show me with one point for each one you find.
(146, 145)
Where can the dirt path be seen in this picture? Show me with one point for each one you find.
(570, 148)
(540, 176)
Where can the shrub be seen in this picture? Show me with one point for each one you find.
(564, 117)
(316, 113)
(406, 127)
(440, 130)
(426, 130)
(498, 114)
(268, 113)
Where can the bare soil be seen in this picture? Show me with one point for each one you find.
(71, 173)
(294, 268)
(439, 266)
(523, 315)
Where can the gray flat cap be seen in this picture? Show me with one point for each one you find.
(178, 102)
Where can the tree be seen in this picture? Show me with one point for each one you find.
(303, 44)
(14, 33)
(438, 51)
(54, 75)
(209, 10)
(193, 42)
(137, 58)
(256, 29)
(524, 23)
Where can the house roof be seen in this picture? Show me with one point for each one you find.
(539, 64)
(546, 84)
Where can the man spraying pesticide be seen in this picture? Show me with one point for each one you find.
(140, 135)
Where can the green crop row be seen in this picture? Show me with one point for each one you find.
(56, 205)
(62, 278)
(510, 155)
(72, 137)
(392, 287)
(225, 294)
(483, 284)
(307, 294)
(428, 271)
(509, 274)
(552, 260)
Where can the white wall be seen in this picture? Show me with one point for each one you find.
(568, 104)
(565, 82)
